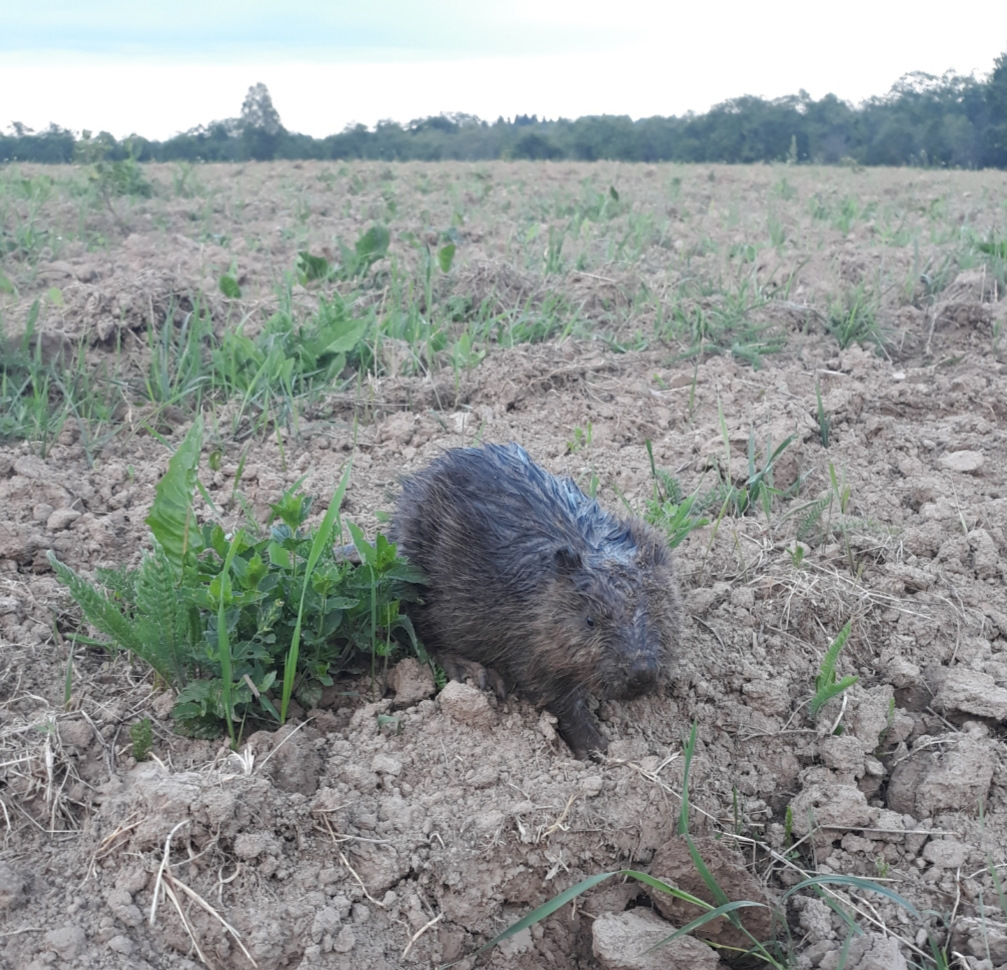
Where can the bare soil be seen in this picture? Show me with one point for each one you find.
(342, 840)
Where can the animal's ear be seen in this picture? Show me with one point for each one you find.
(568, 561)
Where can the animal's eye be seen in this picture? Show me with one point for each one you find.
(590, 622)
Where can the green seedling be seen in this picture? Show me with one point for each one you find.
(581, 439)
(141, 735)
(354, 264)
(822, 417)
(757, 490)
(826, 684)
(853, 320)
(668, 508)
(827, 516)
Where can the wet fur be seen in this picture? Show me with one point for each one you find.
(530, 577)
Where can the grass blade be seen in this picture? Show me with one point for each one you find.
(323, 538)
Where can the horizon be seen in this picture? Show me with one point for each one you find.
(164, 70)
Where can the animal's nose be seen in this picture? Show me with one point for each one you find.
(642, 673)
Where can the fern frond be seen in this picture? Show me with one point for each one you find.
(812, 517)
(827, 671)
(165, 617)
(97, 608)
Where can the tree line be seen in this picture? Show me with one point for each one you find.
(951, 121)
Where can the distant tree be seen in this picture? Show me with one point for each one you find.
(830, 128)
(261, 128)
(535, 146)
(442, 122)
(603, 136)
(995, 141)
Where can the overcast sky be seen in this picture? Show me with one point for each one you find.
(158, 68)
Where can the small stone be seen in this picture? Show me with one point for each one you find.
(949, 773)
(620, 941)
(12, 892)
(121, 944)
(75, 734)
(946, 853)
(326, 921)
(122, 906)
(345, 941)
(29, 466)
(972, 692)
(843, 752)
(61, 519)
(387, 765)
(67, 941)
(250, 845)
(466, 704)
(41, 512)
(411, 681)
(872, 951)
(967, 462)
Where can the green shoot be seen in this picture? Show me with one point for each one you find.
(826, 685)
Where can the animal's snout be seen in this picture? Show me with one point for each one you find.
(642, 674)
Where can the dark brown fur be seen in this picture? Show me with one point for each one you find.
(530, 577)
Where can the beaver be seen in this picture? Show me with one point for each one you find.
(530, 578)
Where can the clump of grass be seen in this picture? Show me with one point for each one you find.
(289, 358)
(853, 319)
(757, 489)
(716, 320)
(112, 179)
(370, 248)
(239, 626)
(42, 388)
(828, 515)
(668, 508)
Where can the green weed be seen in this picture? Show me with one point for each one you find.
(668, 509)
(712, 320)
(42, 389)
(354, 264)
(288, 359)
(822, 418)
(141, 735)
(828, 515)
(112, 179)
(852, 319)
(226, 620)
(581, 439)
(826, 684)
(757, 489)
(23, 236)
